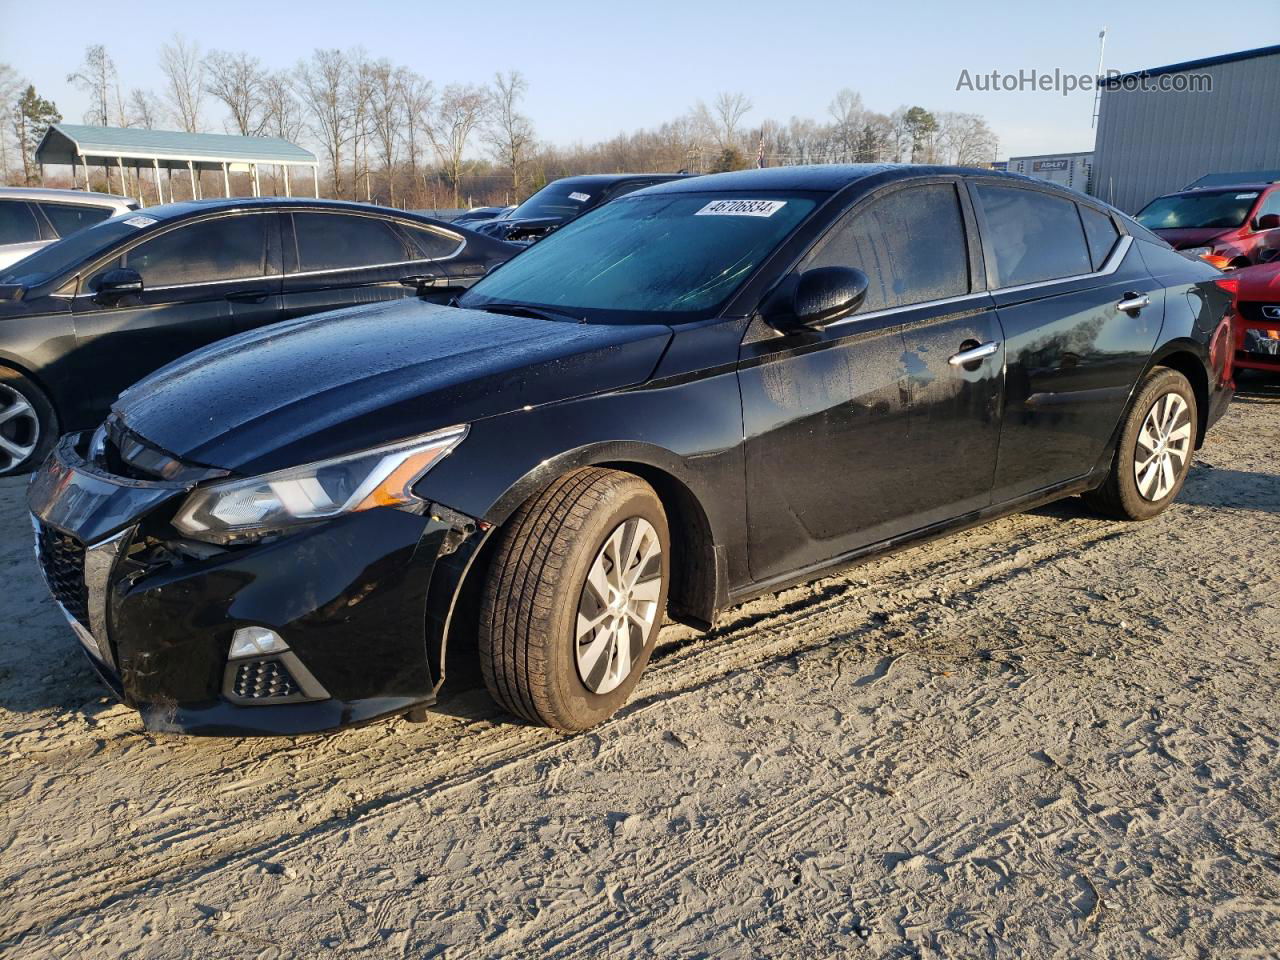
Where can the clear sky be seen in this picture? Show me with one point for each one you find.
(597, 69)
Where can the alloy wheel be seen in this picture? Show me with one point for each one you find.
(619, 605)
(19, 428)
(1164, 444)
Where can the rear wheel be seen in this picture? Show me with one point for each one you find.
(28, 424)
(574, 599)
(1154, 453)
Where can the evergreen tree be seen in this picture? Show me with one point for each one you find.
(32, 116)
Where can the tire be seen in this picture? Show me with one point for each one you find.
(1138, 486)
(537, 597)
(28, 424)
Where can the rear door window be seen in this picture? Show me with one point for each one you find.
(17, 223)
(910, 244)
(68, 218)
(1032, 236)
(1100, 233)
(336, 241)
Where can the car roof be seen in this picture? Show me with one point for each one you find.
(65, 196)
(1218, 188)
(826, 178)
(186, 208)
(608, 179)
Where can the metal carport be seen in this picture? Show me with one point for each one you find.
(79, 145)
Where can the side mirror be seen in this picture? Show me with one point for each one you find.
(118, 283)
(1268, 221)
(819, 296)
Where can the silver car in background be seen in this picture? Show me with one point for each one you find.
(34, 217)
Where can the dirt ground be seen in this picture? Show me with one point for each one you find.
(1052, 736)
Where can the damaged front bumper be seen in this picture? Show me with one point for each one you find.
(156, 615)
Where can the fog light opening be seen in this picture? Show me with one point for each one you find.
(255, 642)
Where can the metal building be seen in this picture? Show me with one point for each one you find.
(1159, 139)
(1064, 169)
(117, 149)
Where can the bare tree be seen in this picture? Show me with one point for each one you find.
(10, 88)
(461, 110)
(322, 85)
(144, 109)
(510, 134)
(416, 101)
(966, 138)
(184, 77)
(236, 79)
(359, 93)
(387, 113)
(849, 116)
(281, 112)
(730, 108)
(97, 77)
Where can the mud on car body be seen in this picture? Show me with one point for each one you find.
(699, 393)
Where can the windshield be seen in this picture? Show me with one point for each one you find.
(1210, 208)
(65, 255)
(564, 200)
(668, 253)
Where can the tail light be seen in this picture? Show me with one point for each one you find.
(1223, 345)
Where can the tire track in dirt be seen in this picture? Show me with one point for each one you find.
(760, 633)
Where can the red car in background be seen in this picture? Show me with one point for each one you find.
(1230, 227)
(1257, 334)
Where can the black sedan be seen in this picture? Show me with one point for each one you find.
(89, 315)
(699, 393)
(564, 200)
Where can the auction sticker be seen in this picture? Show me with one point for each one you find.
(140, 221)
(741, 208)
(580, 197)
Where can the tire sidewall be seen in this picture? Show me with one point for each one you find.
(573, 701)
(1165, 382)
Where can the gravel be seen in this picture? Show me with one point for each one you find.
(1050, 736)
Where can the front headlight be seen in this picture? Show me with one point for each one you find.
(1196, 251)
(234, 510)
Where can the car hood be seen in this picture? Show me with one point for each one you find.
(328, 384)
(1260, 284)
(1182, 237)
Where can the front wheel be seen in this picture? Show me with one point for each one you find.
(1154, 453)
(574, 599)
(28, 424)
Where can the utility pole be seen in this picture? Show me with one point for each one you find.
(1097, 86)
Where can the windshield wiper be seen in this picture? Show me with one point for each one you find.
(523, 310)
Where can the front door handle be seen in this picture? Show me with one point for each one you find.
(249, 296)
(973, 354)
(1133, 302)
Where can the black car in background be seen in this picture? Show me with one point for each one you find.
(699, 393)
(85, 317)
(564, 200)
(469, 218)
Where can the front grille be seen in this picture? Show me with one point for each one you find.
(264, 680)
(62, 559)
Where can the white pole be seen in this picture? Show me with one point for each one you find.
(315, 176)
(120, 165)
(159, 186)
(286, 181)
(226, 181)
(1097, 86)
(257, 185)
(191, 169)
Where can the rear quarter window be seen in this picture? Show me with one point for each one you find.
(338, 241)
(1100, 233)
(69, 218)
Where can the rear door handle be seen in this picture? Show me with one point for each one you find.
(1133, 302)
(974, 354)
(249, 296)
